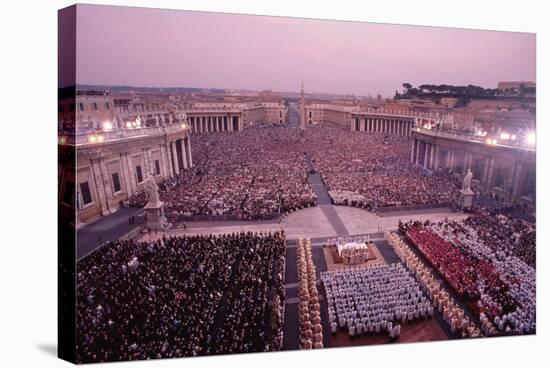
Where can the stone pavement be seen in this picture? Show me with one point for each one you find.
(334, 219)
(319, 188)
(319, 222)
(112, 227)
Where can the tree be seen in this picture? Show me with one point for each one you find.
(406, 88)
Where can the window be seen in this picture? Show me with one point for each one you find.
(139, 174)
(81, 106)
(116, 182)
(107, 105)
(68, 195)
(157, 167)
(86, 194)
(95, 106)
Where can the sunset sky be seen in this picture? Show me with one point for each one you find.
(173, 48)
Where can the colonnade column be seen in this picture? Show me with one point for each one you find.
(489, 177)
(165, 167)
(188, 152)
(183, 153)
(432, 149)
(425, 165)
(451, 159)
(100, 187)
(126, 174)
(516, 181)
(436, 162)
(175, 164)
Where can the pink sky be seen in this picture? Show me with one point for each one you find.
(172, 48)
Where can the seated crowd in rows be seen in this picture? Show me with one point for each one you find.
(181, 296)
(488, 261)
(374, 300)
(453, 314)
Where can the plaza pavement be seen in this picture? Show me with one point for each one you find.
(320, 222)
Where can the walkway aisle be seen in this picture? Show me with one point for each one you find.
(319, 188)
(335, 220)
(323, 201)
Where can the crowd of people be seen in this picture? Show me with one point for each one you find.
(263, 171)
(488, 261)
(374, 300)
(507, 235)
(255, 174)
(181, 296)
(374, 171)
(441, 300)
(309, 309)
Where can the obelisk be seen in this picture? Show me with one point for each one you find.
(302, 109)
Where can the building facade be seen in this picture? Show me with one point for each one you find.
(273, 112)
(111, 167)
(506, 171)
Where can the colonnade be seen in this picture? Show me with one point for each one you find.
(427, 155)
(380, 124)
(505, 171)
(180, 153)
(214, 123)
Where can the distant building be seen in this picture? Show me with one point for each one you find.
(514, 88)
